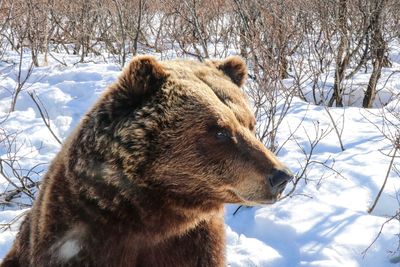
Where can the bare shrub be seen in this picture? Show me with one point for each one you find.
(22, 180)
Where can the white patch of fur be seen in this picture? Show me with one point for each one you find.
(69, 249)
(68, 246)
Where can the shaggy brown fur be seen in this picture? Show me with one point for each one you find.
(143, 178)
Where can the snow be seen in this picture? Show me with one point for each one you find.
(324, 223)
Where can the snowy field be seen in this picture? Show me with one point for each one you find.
(324, 223)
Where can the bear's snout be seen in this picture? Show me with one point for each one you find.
(279, 179)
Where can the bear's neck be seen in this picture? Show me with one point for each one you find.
(162, 216)
(142, 212)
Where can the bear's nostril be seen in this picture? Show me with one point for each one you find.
(280, 178)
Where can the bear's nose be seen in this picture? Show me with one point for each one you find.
(279, 179)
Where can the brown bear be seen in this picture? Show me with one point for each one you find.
(143, 178)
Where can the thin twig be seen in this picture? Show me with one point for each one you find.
(43, 114)
(371, 209)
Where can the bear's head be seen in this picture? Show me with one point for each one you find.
(184, 129)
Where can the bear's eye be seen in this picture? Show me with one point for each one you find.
(222, 134)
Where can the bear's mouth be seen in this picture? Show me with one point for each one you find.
(271, 201)
(253, 202)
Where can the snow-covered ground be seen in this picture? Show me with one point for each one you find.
(324, 223)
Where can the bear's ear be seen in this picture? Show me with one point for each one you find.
(142, 76)
(235, 68)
